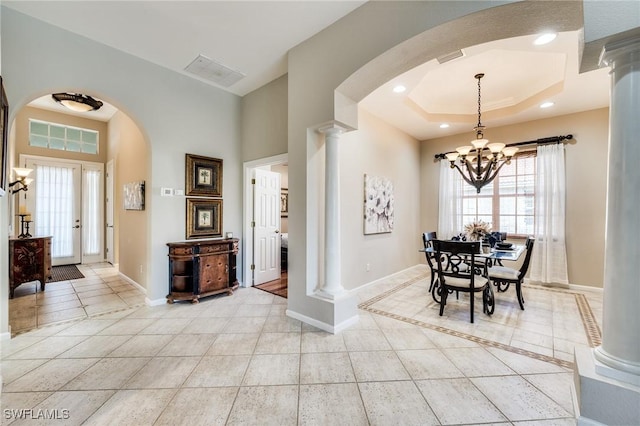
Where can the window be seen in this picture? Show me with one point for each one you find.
(507, 202)
(64, 138)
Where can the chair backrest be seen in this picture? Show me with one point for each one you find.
(456, 254)
(527, 257)
(427, 238)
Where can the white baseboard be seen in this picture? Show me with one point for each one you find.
(156, 302)
(386, 277)
(333, 329)
(5, 336)
(132, 282)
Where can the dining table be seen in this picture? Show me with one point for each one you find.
(494, 254)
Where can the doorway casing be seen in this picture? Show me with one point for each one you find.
(247, 210)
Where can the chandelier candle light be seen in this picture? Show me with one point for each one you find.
(481, 161)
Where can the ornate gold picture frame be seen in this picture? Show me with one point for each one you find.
(203, 176)
(204, 218)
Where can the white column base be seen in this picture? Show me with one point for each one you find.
(615, 368)
(602, 399)
(330, 294)
(330, 315)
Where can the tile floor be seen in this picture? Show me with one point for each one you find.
(238, 360)
(101, 290)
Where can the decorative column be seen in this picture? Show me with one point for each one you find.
(607, 378)
(620, 349)
(332, 285)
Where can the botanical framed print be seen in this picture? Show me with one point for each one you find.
(284, 202)
(203, 176)
(134, 196)
(204, 218)
(378, 205)
(4, 128)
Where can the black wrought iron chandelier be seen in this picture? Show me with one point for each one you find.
(77, 101)
(480, 162)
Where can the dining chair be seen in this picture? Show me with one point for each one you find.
(503, 276)
(455, 276)
(427, 238)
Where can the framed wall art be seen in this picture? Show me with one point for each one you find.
(203, 176)
(134, 196)
(4, 129)
(284, 202)
(378, 205)
(204, 218)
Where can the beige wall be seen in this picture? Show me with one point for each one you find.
(22, 134)
(264, 121)
(378, 149)
(128, 150)
(586, 173)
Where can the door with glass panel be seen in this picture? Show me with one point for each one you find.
(66, 202)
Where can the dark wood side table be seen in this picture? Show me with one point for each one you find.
(202, 268)
(29, 260)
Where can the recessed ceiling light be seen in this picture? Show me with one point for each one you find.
(546, 104)
(399, 89)
(545, 38)
(444, 126)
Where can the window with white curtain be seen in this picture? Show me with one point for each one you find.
(91, 229)
(54, 209)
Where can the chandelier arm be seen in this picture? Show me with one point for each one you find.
(466, 179)
(491, 176)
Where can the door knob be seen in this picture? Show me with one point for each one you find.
(277, 231)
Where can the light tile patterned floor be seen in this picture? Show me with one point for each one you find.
(101, 290)
(239, 360)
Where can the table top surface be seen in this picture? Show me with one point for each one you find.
(511, 254)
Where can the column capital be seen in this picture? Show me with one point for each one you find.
(334, 128)
(614, 49)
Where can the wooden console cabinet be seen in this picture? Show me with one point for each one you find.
(29, 260)
(202, 268)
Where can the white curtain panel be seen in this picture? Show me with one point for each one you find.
(91, 238)
(54, 207)
(549, 259)
(449, 202)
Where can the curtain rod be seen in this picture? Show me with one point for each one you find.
(541, 141)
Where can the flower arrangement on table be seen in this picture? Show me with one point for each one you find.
(477, 230)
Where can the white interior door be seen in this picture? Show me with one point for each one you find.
(109, 212)
(266, 232)
(66, 201)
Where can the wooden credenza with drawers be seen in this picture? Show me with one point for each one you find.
(202, 268)
(29, 260)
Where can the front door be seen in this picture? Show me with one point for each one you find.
(266, 216)
(66, 202)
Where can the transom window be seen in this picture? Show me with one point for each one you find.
(43, 134)
(507, 202)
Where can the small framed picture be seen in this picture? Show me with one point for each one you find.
(204, 218)
(134, 196)
(203, 176)
(284, 202)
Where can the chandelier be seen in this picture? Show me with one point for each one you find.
(480, 163)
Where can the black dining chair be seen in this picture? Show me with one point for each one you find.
(503, 276)
(427, 238)
(456, 276)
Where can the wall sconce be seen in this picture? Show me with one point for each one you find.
(21, 175)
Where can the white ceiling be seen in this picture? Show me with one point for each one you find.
(254, 37)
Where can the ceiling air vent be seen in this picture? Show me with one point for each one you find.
(450, 56)
(213, 71)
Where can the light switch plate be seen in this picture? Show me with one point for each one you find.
(179, 192)
(166, 192)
